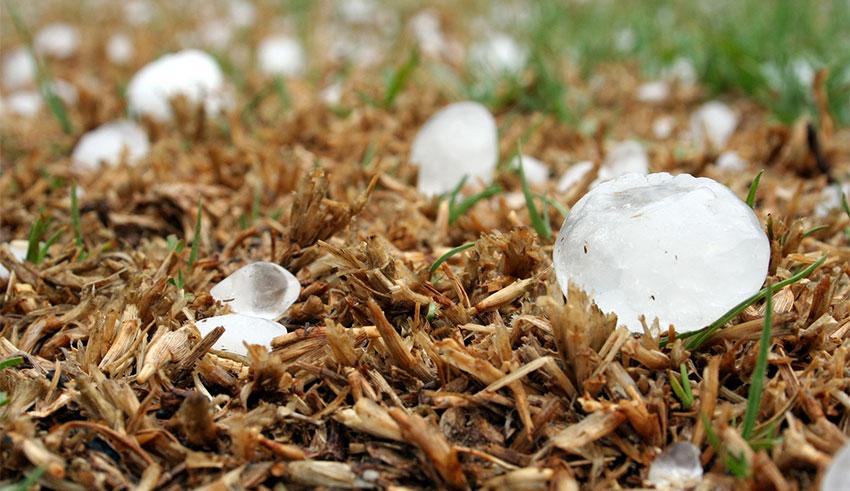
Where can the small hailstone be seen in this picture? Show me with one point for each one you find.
(498, 53)
(332, 94)
(358, 11)
(679, 248)
(281, 55)
(242, 13)
(653, 92)
(830, 198)
(713, 123)
(804, 71)
(18, 248)
(216, 33)
(260, 289)
(138, 12)
(574, 175)
(459, 140)
(25, 103)
(662, 127)
(57, 40)
(837, 477)
(190, 73)
(677, 467)
(683, 71)
(730, 160)
(535, 171)
(428, 33)
(119, 49)
(625, 40)
(626, 157)
(19, 69)
(238, 329)
(109, 143)
(65, 91)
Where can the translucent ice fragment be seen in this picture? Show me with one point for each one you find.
(679, 248)
(239, 329)
(837, 477)
(281, 55)
(260, 289)
(712, 124)
(677, 467)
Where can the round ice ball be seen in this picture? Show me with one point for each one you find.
(190, 73)
(459, 140)
(713, 124)
(58, 40)
(281, 55)
(680, 248)
(109, 143)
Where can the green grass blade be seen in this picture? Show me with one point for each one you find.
(702, 335)
(814, 230)
(400, 77)
(563, 210)
(37, 231)
(760, 370)
(540, 225)
(27, 483)
(678, 390)
(456, 191)
(196, 238)
(686, 385)
(751, 195)
(11, 362)
(75, 222)
(461, 208)
(451, 252)
(844, 204)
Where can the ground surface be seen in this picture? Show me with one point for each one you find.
(476, 375)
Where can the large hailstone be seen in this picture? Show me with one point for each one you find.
(281, 55)
(837, 477)
(260, 289)
(109, 143)
(190, 73)
(459, 140)
(240, 329)
(713, 123)
(679, 248)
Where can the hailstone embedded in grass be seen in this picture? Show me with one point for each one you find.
(109, 143)
(837, 476)
(281, 55)
(535, 171)
(626, 157)
(459, 140)
(682, 70)
(428, 33)
(677, 467)
(830, 198)
(25, 103)
(239, 329)
(712, 124)
(242, 13)
(19, 68)
(654, 92)
(119, 49)
(57, 40)
(190, 73)
(498, 53)
(18, 248)
(260, 289)
(680, 248)
(662, 127)
(730, 160)
(574, 175)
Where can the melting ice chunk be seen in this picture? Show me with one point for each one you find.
(730, 160)
(459, 140)
(18, 69)
(58, 40)
(239, 328)
(281, 55)
(535, 171)
(626, 157)
(110, 143)
(682, 249)
(119, 49)
(654, 92)
(712, 124)
(18, 248)
(837, 477)
(189, 73)
(260, 289)
(498, 53)
(573, 175)
(677, 467)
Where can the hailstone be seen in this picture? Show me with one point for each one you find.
(190, 73)
(281, 55)
(18, 248)
(677, 467)
(712, 124)
(240, 329)
(57, 40)
(682, 249)
(260, 289)
(459, 140)
(837, 477)
(535, 171)
(119, 49)
(653, 92)
(19, 68)
(110, 143)
(498, 53)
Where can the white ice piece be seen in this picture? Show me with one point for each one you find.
(837, 477)
(119, 49)
(677, 467)
(260, 289)
(239, 329)
(18, 69)
(830, 198)
(625, 157)
(428, 33)
(26, 103)
(683, 71)
(18, 248)
(573, 175)
(109, 143)
(730, 160)
(536, 172)
(242, 13)
(190, 73)
(662, 127)
(653, 92)
(498, 53)
(713, 123)
(281, 55)
(680, 248)
(459, 140)
(58, 40)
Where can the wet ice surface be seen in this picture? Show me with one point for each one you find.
(683, 249)
(260, 289)
(712, 124)
(837, 476)
(190, 73)
(109, 144)
(677, 467)
(238, 329)
(459, 140)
